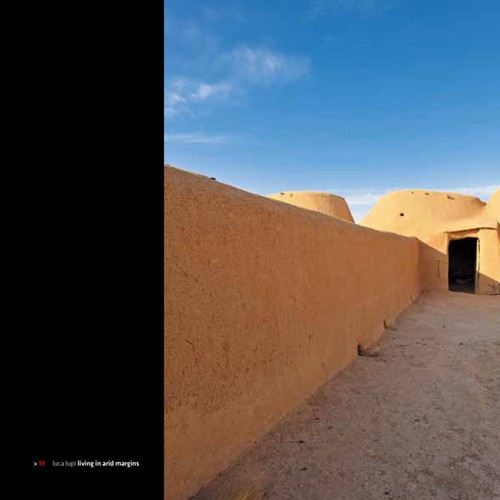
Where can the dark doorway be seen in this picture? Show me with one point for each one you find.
(462, 255)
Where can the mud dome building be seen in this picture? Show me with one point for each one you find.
(266, 298)
(459, 236)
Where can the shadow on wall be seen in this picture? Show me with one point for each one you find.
(433, 267)
(434, 274)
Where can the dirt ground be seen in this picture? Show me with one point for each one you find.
(417, 417)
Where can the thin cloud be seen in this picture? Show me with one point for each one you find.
(261, 65)
(182, 92)
(195, 139)
(206, 90)
(241, 68)
(189, 32)
(331, 7)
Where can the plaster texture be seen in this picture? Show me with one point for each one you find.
(417, 419)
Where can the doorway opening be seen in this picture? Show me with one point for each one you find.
(462, 257)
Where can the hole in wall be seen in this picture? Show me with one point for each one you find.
(401, 214)
(427, 194)
(369, 353)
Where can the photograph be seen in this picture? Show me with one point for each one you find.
(331, 250)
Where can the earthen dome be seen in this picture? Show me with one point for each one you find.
(326, 203)
(437, 219)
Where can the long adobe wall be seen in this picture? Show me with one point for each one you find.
(264, 301)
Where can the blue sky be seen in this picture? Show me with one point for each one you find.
(353, 97)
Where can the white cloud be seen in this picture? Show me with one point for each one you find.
(261, 65)
(195, 138)
(238, 70)
(172, 102)
(206, 90)
(182, 92)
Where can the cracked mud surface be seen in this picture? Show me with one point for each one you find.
(419, 419)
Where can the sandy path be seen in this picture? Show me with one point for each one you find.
(420, 419)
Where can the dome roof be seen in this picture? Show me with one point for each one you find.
(420, 212)
(326, 203)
